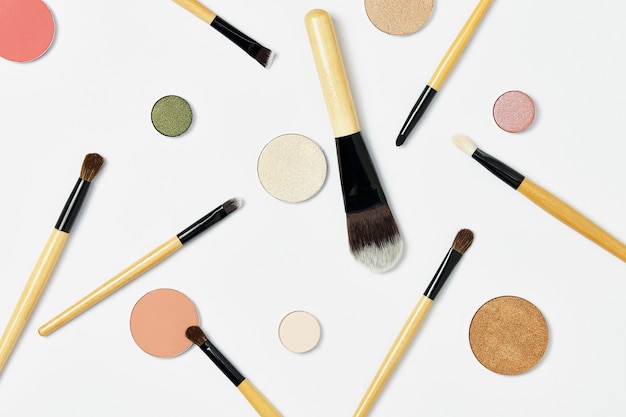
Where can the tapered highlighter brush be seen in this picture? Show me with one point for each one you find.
(373, 234)
(254, 397)
(462, 241)
(142, 265)
(49, 256)
(257, 51)
(443, 69)
(542, 198)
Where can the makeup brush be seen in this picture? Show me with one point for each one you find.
(374, 237)
(49, 256)
(139, 267)
(257, 51)
(542, 198)
(462, 241)
(254, 397)
(442, 71)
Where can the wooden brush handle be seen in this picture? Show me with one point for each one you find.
(331, 73)
(394, 355)
(198, 9)
(257, 400)
(572, 218)
(34, 286)
(112, 285)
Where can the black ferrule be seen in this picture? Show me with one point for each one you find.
(72, 206)
(240, 39)
(220, 360)
(202, 224)
(499, 169)
(416, 113)
(442, 274)
(359, 182)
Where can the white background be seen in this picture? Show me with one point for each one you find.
(93, 92)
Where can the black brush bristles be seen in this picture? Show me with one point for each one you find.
(257, 51)
(374, 237)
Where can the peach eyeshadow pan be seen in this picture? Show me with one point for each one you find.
(159, 320)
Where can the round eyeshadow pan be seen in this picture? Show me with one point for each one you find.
(514, 111)
(159, 320)
(292, 168)
(299, 331)
(26, 29)
(508, 335)
(399, 17)
(171, 115)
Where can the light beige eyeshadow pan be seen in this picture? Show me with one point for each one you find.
(292, 168)
(299, 331)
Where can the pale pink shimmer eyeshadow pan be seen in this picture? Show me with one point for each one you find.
(159, 320)
(514, 111)
(26, 29)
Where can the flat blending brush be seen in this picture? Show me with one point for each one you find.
(139, 267)
(542, 198)
(254, 397)
(461, 243)
(257, 51)
(49, 256)
(442, 71)
(374, 237)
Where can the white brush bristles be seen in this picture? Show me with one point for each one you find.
(380, 258)
(464, 143)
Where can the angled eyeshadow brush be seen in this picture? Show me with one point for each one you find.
(257, 51)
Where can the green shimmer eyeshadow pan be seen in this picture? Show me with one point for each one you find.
(171, 115)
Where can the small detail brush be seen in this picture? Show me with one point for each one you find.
(139, 267)
(442, 71)
(257, 51)
(373, 234)
(542, 198)
(254, 397)
(49, 256)
(461, 243)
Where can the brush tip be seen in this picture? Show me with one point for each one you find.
(374, 238)
(231, 205)
(463, 240)
(91, 166)
(265, 57)
(464, 143)
(196, 335)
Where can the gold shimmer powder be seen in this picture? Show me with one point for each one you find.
(399, 17)
(508, 335)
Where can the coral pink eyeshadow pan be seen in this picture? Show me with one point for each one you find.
(159, 320)
(26, 29)
(514, 111)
